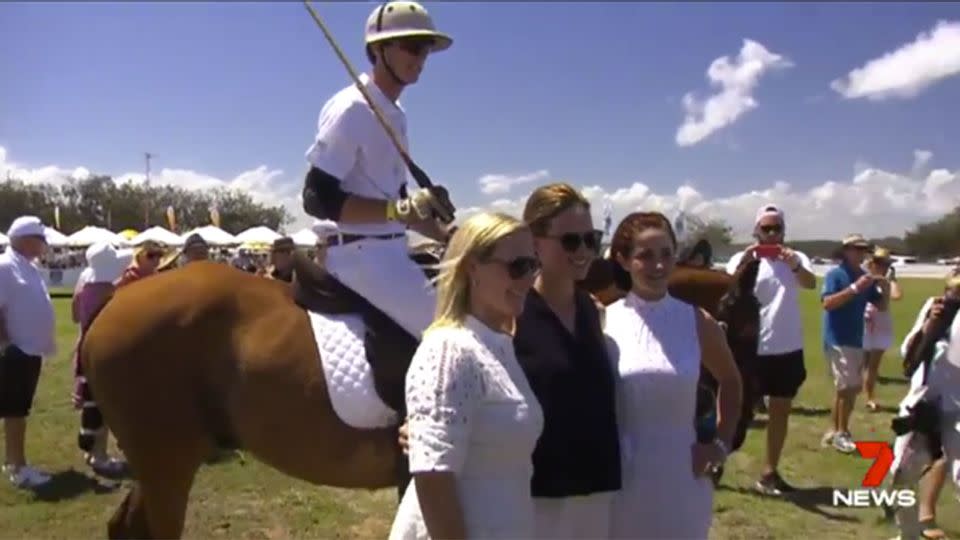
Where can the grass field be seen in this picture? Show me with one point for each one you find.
(244, 499)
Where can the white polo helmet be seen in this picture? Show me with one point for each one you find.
(392, 20)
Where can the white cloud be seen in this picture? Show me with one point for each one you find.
(736, 79)
(907, 71)
(498, 184)
(873, 202)
(264, 185)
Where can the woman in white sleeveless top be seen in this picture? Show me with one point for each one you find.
(472, 418)
(659, 343)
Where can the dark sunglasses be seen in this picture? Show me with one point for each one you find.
(520, 267)
(415, 46)
(571, 242)
(771, 229)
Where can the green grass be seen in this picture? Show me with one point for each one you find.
(237, 499)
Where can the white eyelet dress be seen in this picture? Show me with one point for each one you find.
(658, 361)
(470, 411)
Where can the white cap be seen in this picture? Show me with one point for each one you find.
(769, 210)
(106, 263)
(324, 228)
(26, 226)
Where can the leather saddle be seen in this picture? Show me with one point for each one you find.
(389, 348)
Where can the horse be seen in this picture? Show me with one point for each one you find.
(207, 357)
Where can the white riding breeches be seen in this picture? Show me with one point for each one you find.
(381, 271)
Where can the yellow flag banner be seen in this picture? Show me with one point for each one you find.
(172, 218)
(215, 216)
(56, 216)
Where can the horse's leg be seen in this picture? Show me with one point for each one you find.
(129, 520)
(164, 476)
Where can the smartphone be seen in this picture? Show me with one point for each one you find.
(767, 251)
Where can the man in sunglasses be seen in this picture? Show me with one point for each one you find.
(357, 178)
(779, 371)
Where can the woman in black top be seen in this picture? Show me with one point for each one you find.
(560, 344)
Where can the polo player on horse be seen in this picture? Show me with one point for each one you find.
(357, 178)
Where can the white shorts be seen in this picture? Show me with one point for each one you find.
(381, 271)
(846, 365)
(586, 516)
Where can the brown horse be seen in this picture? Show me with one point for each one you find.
(207, 356)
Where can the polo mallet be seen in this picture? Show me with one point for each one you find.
(445, 209)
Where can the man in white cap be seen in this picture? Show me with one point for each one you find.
(779, 371)
(357, 178)
(26, 336)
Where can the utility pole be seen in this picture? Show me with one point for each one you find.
(146, 183)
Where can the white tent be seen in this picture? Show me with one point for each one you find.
(213, 235)
(304, 237)
(156, 234)
(258, 235)
(3, 239)
(90, 235)
(55, 238)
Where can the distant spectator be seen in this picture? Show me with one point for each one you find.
(281, 259)
(106, 265)
(846, 291)
(146, 260)
(878, 323)
(27, 334)
(195, 249)
(324, 229)
(700, 255)
(780, 370)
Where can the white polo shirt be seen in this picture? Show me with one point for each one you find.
(777, 290)
(352, 146)
(25, 304)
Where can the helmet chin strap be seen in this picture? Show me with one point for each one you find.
(393, 74)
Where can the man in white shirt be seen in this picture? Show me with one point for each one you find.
(357, 178)
(780, 370)
(26, 336)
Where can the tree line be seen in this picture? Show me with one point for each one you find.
(98, 200)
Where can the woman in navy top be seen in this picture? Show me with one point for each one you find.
(560, 346)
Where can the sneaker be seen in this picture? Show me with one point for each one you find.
(827, 440)
(25, 476)
(773, 485)
(843, 442)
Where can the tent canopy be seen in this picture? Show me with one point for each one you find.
(213, 235)
(304, 238)
(55, 238)
(157, 234)
(90, 235)
(258, 235)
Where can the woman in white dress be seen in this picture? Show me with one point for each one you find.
(472, 418)
(658, 345)
(877, 323)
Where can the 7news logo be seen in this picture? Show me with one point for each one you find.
(882, 455)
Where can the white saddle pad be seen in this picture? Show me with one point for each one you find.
(349, 378)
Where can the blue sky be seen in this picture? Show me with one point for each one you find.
(590, 93)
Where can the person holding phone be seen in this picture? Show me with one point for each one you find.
(877, 323)
(847, 289)
(780, 370)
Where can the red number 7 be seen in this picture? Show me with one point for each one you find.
(882, 455)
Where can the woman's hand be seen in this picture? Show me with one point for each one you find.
(706, 457)
(403, 438)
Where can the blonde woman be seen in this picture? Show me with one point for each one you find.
(473, 420)
(877, 322)
(146, 260)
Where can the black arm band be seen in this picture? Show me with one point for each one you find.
(322, 196)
